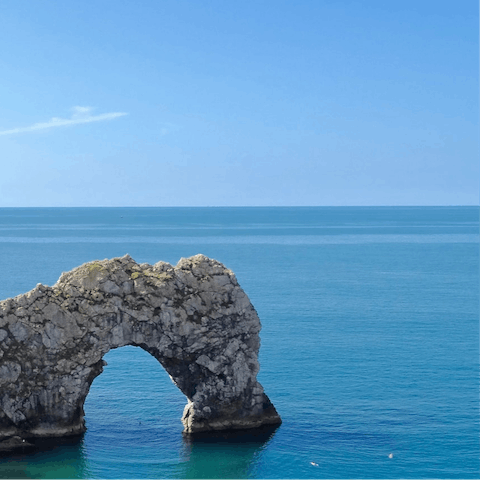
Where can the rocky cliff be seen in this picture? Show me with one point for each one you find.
(193, 318)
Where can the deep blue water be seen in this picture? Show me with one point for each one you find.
(370, 340)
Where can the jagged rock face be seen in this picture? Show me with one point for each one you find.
(193, 318)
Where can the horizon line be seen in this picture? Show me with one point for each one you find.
(244, 206)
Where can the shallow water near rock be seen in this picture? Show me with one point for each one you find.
(369, 340)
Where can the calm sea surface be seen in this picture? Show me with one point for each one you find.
(370, 340)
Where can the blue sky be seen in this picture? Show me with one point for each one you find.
(213, 103)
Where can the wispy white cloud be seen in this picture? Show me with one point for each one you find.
(79, 115)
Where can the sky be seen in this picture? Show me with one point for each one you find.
(239, 103)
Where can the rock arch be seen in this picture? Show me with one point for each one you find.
(193, 318)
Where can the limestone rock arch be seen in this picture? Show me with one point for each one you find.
(193, 318)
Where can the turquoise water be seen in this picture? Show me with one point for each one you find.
(370, 340)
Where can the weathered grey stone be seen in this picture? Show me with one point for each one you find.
(193, 318)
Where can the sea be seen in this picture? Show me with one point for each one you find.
(369, 341)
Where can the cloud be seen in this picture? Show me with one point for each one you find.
(79, 115)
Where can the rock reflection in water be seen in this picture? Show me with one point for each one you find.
(232, 454)
(51, 458)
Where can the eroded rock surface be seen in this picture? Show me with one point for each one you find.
(193, 318)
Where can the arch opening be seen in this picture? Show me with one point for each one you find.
(134, 396)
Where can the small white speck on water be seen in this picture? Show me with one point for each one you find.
(390, 455)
